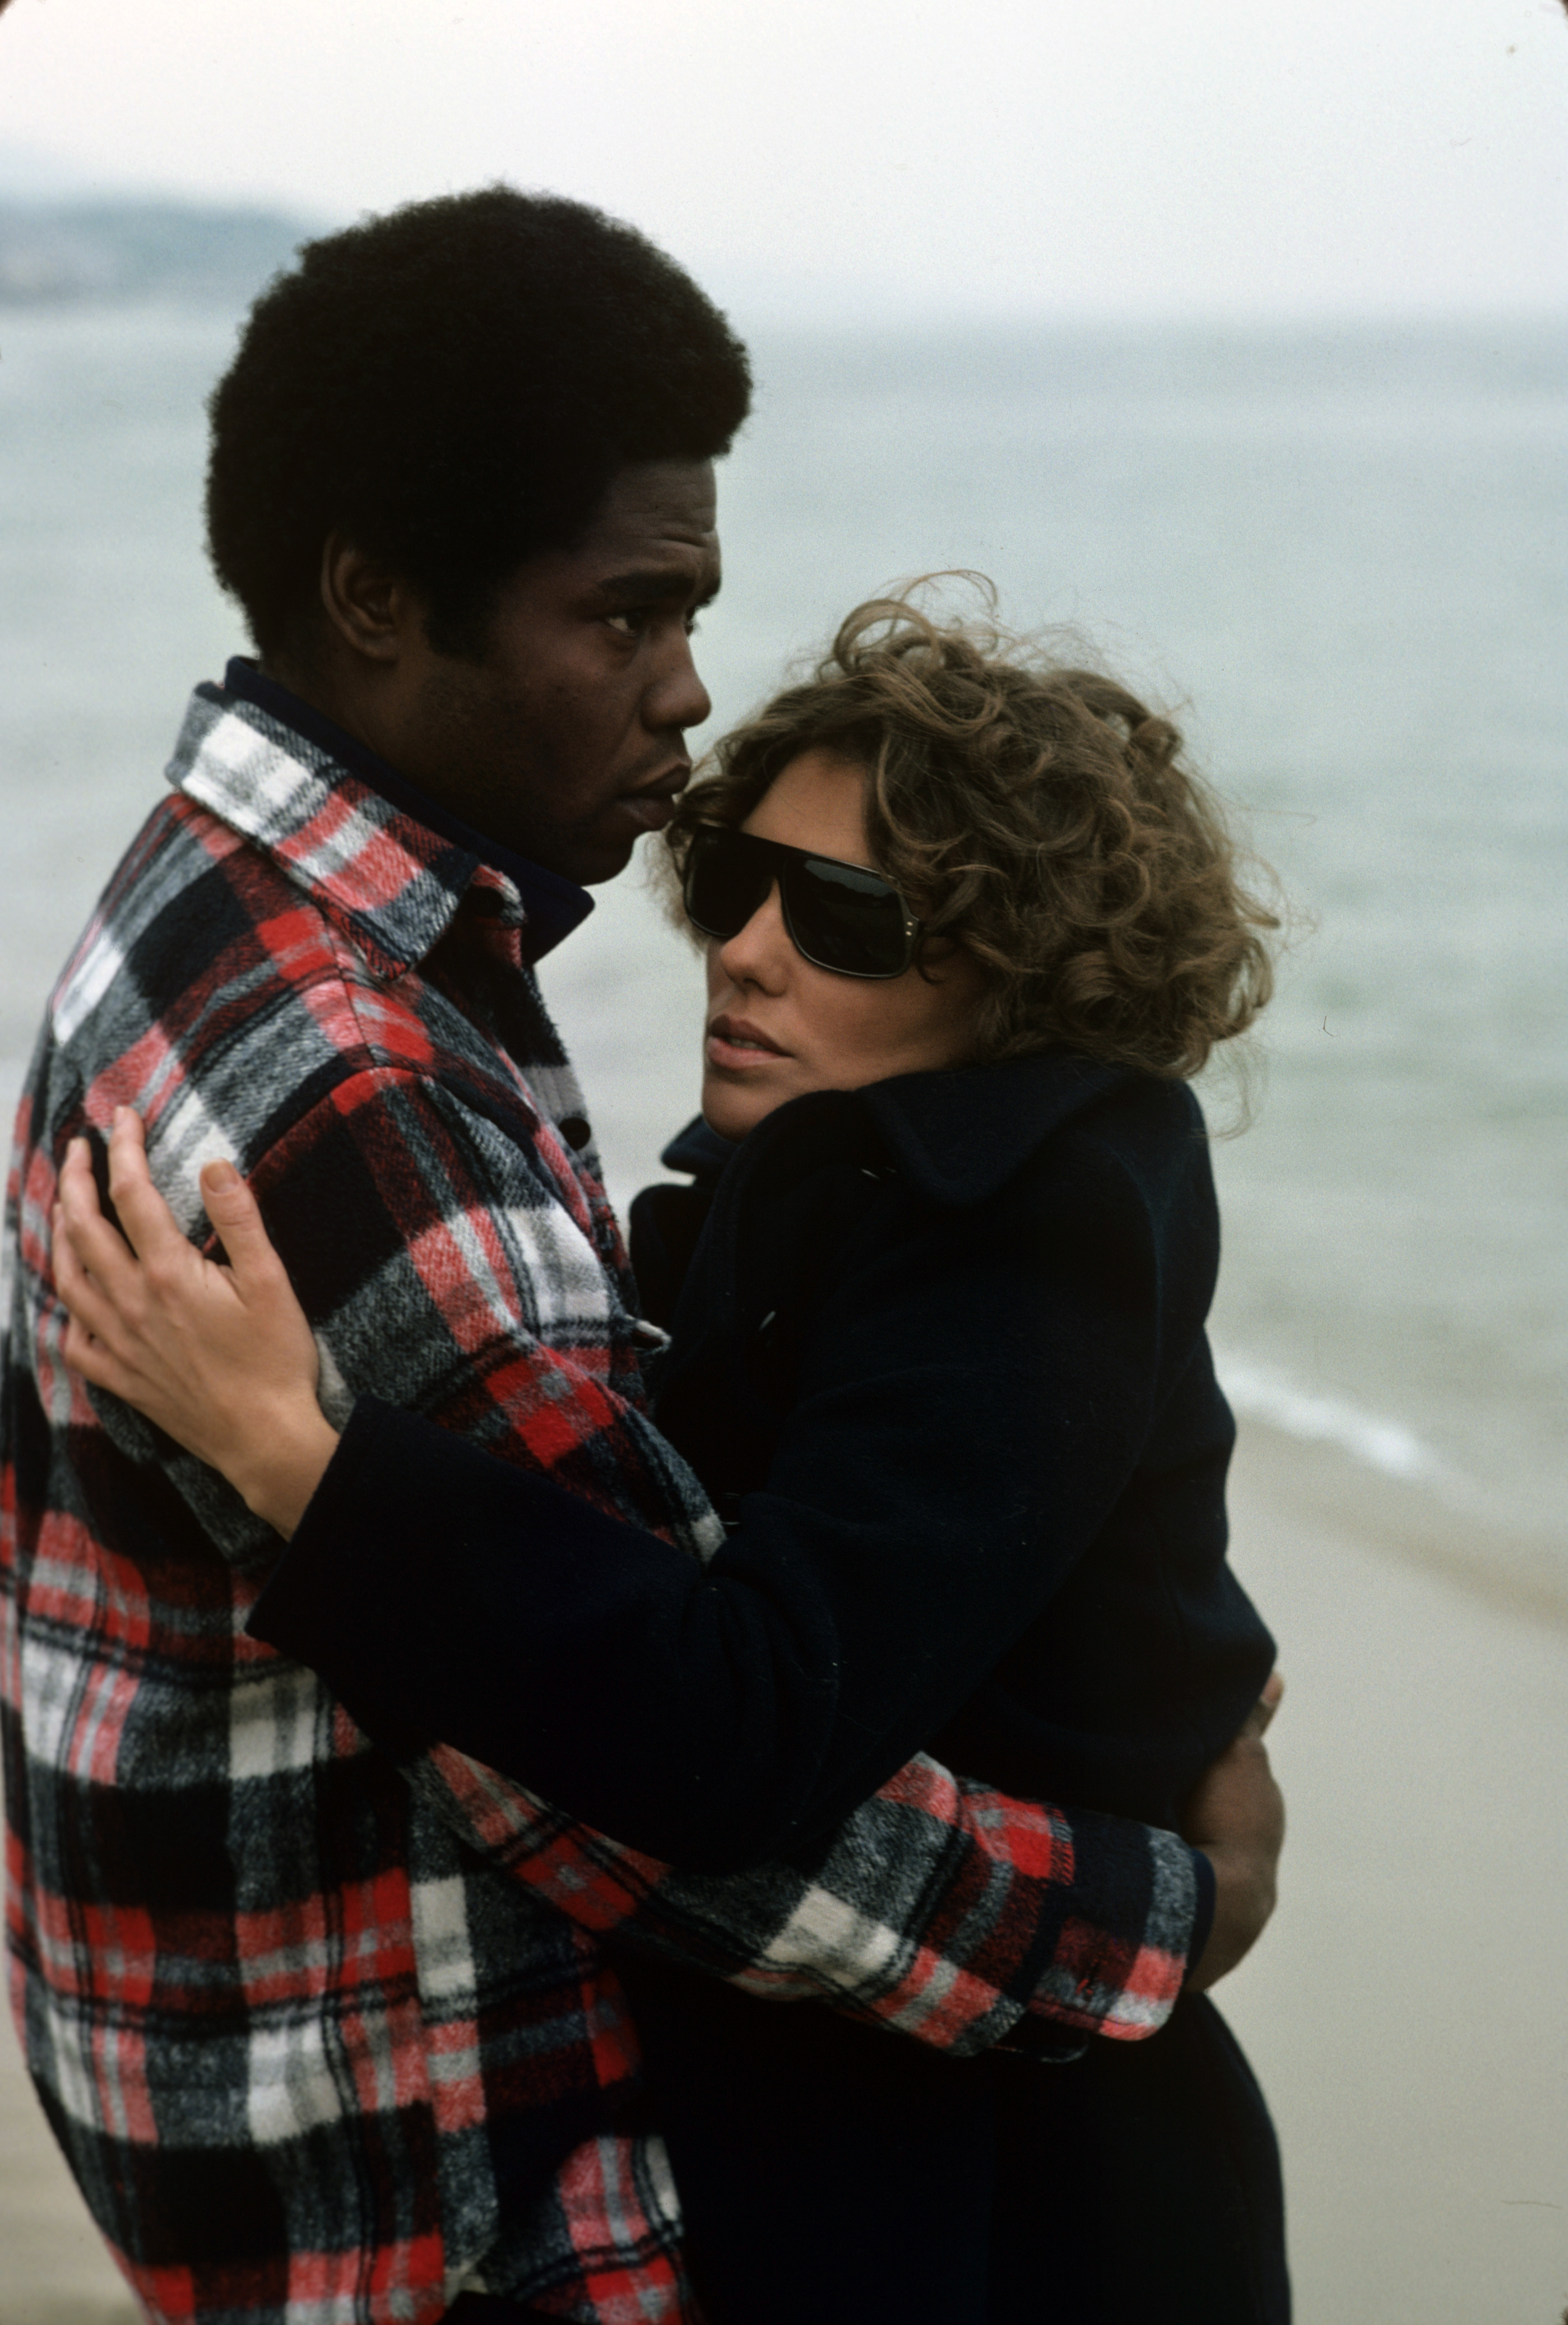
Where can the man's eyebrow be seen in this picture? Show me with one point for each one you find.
(655, 585)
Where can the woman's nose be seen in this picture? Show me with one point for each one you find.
(760, 952)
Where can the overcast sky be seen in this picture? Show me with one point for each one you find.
(1001, 156)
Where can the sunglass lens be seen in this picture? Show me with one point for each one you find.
(725, 883)
(838, 915)
(845, 919)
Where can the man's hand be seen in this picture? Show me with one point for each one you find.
(1237, 1817)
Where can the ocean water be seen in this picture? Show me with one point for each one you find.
(1339, 554)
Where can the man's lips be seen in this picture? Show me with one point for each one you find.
(737, 1041)
(651, 805)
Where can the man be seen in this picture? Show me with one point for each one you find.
(328, 2032)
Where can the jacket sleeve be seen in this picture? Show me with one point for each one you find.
(940, 1910)
(930, 1490)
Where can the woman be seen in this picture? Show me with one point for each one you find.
(936, 1298)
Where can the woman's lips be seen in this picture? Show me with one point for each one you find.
(736, 1042)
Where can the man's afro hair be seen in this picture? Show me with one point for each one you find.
(453, 386)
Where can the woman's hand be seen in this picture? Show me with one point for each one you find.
(1237, 1817)
(220, 1357)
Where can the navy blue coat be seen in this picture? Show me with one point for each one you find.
(959, 1319)
(938, 1355)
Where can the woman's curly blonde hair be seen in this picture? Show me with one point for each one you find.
(1038, 816)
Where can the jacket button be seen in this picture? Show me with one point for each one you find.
(575, 1131)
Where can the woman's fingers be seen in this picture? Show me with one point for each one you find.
(91, 1358)
(99, 1247)
(280, 1346)
(222, 1358)
(89, 1306)
(236, 1216)
(150, 1226)
(91, 1343)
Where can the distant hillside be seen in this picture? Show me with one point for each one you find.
(131, 249)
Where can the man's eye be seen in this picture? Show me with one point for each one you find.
(635, 621)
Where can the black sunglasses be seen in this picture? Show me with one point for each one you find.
(840, 916)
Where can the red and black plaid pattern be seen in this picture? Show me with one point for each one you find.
(325, 2038)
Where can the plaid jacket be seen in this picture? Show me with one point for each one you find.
(325, 2037)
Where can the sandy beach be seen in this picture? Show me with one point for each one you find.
(1406, 2012)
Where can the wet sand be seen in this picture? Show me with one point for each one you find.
(54, 2269)
(1407, 2011)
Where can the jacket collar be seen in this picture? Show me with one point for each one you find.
(698, 1151)
(960, 1135)
(387, 866)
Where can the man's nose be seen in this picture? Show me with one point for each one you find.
(679, 698)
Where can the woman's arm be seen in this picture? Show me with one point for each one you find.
(715, 1717)
(1070, 1917)
(957, 1441)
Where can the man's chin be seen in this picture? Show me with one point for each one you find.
(591, 864)
(588, 858)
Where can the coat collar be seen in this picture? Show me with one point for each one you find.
(960, 1135)
(386, 866)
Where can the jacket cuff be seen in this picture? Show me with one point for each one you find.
(1203, 1911)
(1123, 1951)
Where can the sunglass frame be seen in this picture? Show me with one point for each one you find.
(785, 858)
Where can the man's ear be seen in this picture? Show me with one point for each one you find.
(368, 608)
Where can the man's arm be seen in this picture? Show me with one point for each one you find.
(940, 1908)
